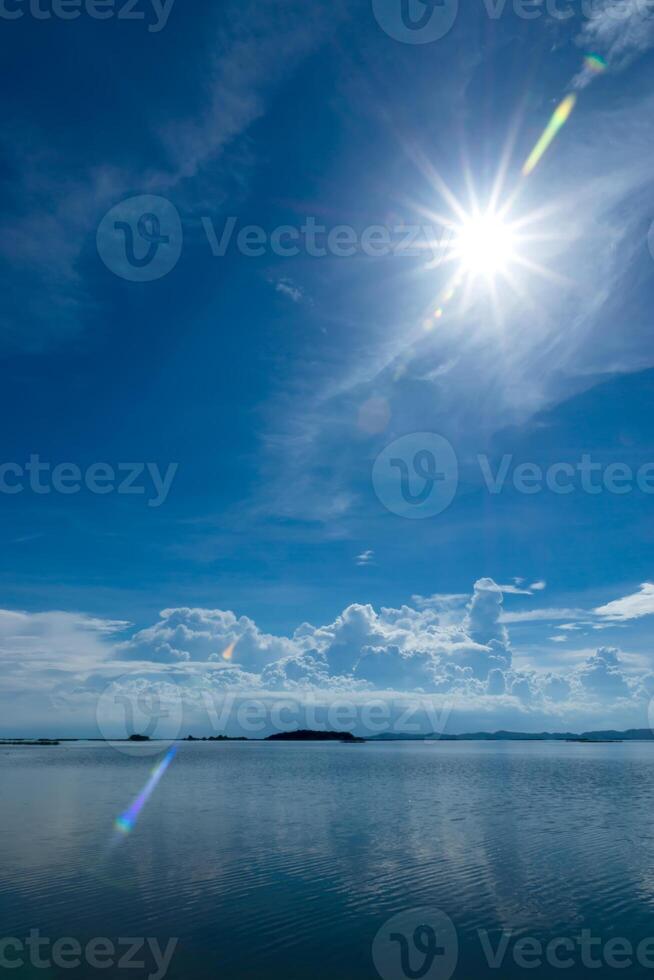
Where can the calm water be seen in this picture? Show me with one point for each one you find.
(284, 861)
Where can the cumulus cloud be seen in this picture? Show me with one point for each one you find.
(448, 657)
(185, 635)
(483, 621)
(602, 674)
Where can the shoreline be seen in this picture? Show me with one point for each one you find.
(585, 738)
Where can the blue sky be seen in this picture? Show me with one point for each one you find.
(271, 384)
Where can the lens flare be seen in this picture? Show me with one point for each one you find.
(127, 820)
(595, 63)
(560, 117)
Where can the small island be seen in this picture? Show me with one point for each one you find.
(29, 741)
(595, 741)
(215, 738)
(306, 735)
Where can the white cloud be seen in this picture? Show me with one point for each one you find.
(459, 661)
(366, 557)
(544, 615)
(290, 289)
(186, 635)
(630, 606)
(251, 57)
(620, 31)
(519, 588)
(483, 621)
(602, 674)
(443, 601)
(594, 226)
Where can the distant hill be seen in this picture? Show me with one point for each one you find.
(609, 735)
(631, 735)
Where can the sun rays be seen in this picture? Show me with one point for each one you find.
(490, 245)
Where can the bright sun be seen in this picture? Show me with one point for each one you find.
(484, 245)
(491, 248)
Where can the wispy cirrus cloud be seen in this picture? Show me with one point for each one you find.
(621, 32)
(519, 588)
(594, 240)
(542, 615)
(257, 46)
(60, 199)
(289, 288)
(612, 614)
(632, 606)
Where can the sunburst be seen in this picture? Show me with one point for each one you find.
(490, 244)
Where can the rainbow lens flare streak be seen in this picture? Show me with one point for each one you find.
(561, 115)
(126, 821)
(594, 65)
